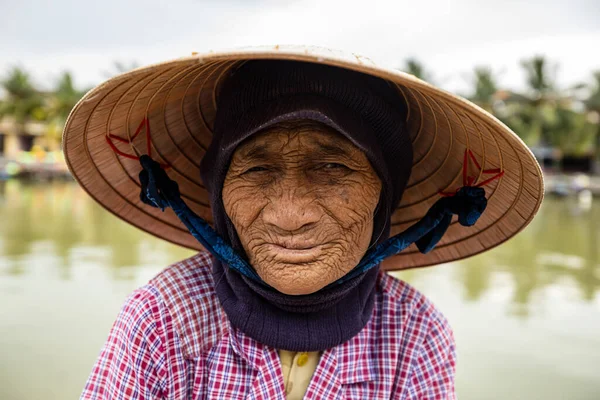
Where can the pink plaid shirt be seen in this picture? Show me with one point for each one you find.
(172, 340)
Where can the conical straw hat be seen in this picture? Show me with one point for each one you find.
(177, 101)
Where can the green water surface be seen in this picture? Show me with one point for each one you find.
(526, 315)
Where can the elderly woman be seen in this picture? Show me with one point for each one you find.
(304, 159)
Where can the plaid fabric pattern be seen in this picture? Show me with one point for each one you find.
(172, 340)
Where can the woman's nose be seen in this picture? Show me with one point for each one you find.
(292, 209)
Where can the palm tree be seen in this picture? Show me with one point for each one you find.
(542, 116)
(540, 76)
(416, 68)
(593, 101)
(59, 104)
(22, 102)
(64, 97)
(592, 104)
(540, 99)
(571, 132)
(523, 120)
(484, 93)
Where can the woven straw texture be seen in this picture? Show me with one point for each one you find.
(179, 99)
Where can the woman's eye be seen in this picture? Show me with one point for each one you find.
(256, 169)
(334, 166)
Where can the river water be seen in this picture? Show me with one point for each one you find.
(526, 315)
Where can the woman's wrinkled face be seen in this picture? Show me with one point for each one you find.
(302, 199)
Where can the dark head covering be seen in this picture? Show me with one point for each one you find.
(364, 109)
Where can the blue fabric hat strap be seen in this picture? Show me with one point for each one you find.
(159, 191)
(469, 202)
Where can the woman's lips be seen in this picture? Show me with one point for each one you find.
(295, 254)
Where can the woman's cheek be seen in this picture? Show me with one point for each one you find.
(353, 203)
(242, 202)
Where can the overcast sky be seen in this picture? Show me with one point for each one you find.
(450, 37)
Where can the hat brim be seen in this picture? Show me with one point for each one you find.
(179, 100)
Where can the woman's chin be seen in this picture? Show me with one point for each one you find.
(297, 280)
(293, 290)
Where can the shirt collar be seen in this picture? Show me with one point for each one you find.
(355, 359)
(247, 348)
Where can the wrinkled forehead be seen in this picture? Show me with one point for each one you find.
(297, 137)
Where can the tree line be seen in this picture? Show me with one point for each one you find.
(542, 114)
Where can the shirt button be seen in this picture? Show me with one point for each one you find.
(302, 359)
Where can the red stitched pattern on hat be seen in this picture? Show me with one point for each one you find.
(471, 180)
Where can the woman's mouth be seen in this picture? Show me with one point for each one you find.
(295, 253)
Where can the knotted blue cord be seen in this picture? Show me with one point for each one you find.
(468, 203)
(159, 191)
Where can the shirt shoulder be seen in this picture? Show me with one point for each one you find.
(133, 356)
(398, 295)
(423, 337)
(187, 290)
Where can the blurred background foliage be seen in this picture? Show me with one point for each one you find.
(565, 120)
